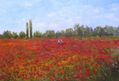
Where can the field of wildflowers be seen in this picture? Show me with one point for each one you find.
(92, 59)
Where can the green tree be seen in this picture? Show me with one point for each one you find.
(88, 31)
(104, 31)
(14, 35)
(1, 36)
(58, 34)
(30, 26)
(7, 34)
(27, 30)
(37, 34)
(69, 32)
(49, 33)
(79, 30)
(63, 32)
(22, 34)
(76, 27)
(116, 31)
(97, 31)
(109, 30)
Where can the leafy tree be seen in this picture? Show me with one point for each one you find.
(69, 32)
(104, 31)
(22, 34)
(79, 30)
(1, 36)
(88, 31)
(116, 31)
(58, 34)
(49, 33)
(27, 30)
(76, 27)
(30, 25)
(97, 31)
(63, 32)
(37, 34)
(109, 30)
(14, 35)
(7, 34)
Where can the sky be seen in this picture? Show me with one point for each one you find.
(57, 14)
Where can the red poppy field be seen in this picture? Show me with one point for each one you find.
(45, 60)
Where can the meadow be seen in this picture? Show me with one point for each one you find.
(90, 59)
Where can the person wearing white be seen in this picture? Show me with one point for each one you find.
(60, 41)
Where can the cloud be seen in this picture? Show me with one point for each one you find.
(51, 15)
(114, 6)
(77, 17)
(105, 19)
(96, 10)
(69, 20)
(40, 24)
(53, 25)
(114, 9)
(73, 20)
(22, 21)
(90, 9)
(28, 4)
(112, 16)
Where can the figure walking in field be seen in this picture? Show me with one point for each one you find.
(59, 41)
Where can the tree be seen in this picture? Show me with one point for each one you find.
(14, 35)
(88, 31)
(7, 34)
(97, 31)
(116, 31)
(27, 30)
(37, 34)
(58, 34)
(63, 32)
(109, 30)
(30, 26)
(104, 31)
(69, 32)
(22, 34)
(1, 36)
(79, 30)
(76, 27)
(49, 33)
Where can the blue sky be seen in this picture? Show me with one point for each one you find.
(57, 14)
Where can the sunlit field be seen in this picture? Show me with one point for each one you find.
(91, 59)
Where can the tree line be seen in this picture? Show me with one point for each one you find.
(78, 30)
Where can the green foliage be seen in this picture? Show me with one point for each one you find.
(69, 32)
(27, 30)
(79, 30)
(1, 36)
(116, 31)
(37, 34)
(22, 34)
(49, 34)
(7, 35)
(104, 31)
(30, 26)
(14, 35)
